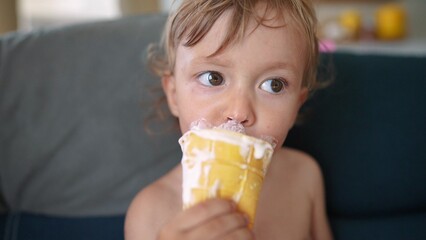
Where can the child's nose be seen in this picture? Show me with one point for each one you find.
(240, 109)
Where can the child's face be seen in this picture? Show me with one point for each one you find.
(257, 81)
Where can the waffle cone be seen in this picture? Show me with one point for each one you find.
(223, 164)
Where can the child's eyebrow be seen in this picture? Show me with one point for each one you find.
(225, 63)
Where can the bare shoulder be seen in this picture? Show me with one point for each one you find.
(299, 166)
(295, 173)
(153, 206)
(293, 196)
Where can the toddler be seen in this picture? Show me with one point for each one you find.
(252, 62)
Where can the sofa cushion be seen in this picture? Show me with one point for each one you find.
(73, 102)
(367, 131)
(386, 227)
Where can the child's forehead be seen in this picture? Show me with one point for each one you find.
(263, 18)
(277, 46)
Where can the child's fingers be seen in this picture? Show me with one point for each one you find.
(221, 227)
(204, 211)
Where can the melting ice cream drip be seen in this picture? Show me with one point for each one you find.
(230, 125)
(233, 126)
(270, 140)
(201, 124)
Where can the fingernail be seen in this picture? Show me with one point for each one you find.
(247, 218)
(233, 205)
(252, 234)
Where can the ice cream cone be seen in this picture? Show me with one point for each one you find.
(219, 163)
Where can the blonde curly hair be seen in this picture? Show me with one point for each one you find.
(194, 18)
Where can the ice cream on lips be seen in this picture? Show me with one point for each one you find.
(224, 162)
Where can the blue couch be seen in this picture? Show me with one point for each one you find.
(74, 105)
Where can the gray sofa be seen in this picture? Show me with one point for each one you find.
(74, 104)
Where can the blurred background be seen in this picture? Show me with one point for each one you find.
(362, 24)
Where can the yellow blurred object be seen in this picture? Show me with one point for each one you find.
(8, 16)
(351, 21)
(390, 22)
(134, 7)
(224, 164)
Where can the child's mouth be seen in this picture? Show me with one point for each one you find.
(230, 125)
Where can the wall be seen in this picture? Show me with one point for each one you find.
(34, 14)
(417, 18)
(166, 5)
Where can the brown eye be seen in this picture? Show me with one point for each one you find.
(211, 79)
(273, 85)
(276, 85)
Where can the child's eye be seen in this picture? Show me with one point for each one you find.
(211, 78)
(273, 85)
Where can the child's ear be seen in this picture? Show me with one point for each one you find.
(303, 96)
(168, 82)
(304, 93)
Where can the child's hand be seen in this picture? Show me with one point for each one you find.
(212, 219)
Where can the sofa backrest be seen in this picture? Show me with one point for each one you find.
(367, 131)
(73, 106)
